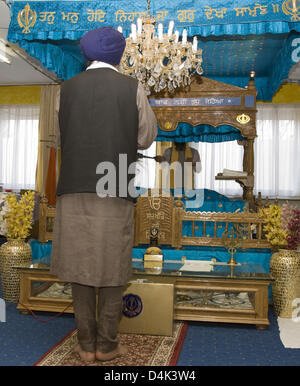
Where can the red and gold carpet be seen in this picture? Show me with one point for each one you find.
(143, 350)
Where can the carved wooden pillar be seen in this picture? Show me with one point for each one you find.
(42, 219)
(248, 166)
(160, 149)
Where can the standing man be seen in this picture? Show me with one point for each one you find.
(102, 114)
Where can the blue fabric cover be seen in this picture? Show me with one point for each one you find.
(207, 200)
(251, 256)
(40, 250)
(71, 19)
(255, 255)
(200, 133)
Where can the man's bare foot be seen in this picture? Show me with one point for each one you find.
(85, 356)
(120, 350)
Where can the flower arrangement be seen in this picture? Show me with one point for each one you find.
(282, 225)
(273, 228)
(17, 215)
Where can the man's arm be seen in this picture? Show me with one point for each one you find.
(166, 157)
(147, 120)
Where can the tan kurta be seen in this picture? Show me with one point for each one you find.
(92, 236)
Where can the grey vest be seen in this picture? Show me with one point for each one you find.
(98, 120)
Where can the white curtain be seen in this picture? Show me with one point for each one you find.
(276, 155)
(18, 145)
(277, 151)
(145, 169)
(214, 158)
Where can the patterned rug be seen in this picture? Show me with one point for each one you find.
(143, 350)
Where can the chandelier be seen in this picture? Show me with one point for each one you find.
(160, 61)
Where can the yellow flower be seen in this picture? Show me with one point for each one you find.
(19, 215)
(273, 229)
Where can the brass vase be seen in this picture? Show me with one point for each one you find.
(13, 253)
(285, 270)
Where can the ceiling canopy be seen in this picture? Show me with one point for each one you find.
(236, 37)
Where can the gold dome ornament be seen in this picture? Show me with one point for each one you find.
(154, 251)
(153, 254)
(153, 258)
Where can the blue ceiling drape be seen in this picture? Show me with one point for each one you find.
(236, 36)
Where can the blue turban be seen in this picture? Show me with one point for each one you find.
(103, 44)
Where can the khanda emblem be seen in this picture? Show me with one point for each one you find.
(243, 119)
(132, 305)
(292, 7)
(26, 18)
(154, 203)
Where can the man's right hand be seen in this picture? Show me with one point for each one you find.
(159, 158)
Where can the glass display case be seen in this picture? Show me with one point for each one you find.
(203, 291)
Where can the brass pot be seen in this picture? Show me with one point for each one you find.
(13, 253)
(285, 270)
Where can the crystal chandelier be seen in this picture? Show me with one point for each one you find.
(160, 61)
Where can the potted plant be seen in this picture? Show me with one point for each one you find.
(16, 218)
(282, 230)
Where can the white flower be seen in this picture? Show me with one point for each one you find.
(3, 210)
